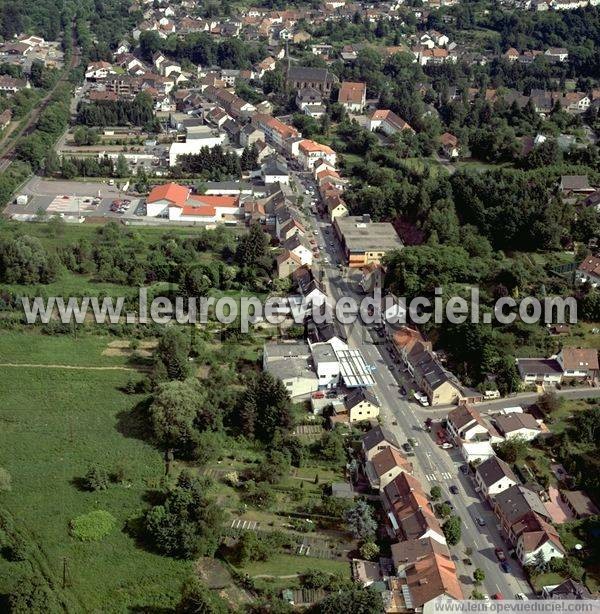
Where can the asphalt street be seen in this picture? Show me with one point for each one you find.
(432, 464)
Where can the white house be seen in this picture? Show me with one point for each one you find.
(290, 362)
(298, 246)
(492, 476)
(466, 423)
(98, 70)
(516, 424)
(326, 365)
(558, 54)
(476, 451)
(578, 363)
(310, 152)
(387, 121)
(536, 537)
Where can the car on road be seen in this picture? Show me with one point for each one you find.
(408, 449)
(453, 489)
(500, 554)
(480, 521)
(498, 597)
(447, 446)
(464, 469)
(403, 391)
(505, 567)
(522, 597)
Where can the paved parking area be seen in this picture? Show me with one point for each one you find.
(70, 198)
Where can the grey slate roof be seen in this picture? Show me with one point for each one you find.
(378, 435)
(495, 469)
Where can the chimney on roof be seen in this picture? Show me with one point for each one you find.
(422, 581)
(366, 218)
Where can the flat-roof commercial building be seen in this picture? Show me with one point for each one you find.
(364, 241)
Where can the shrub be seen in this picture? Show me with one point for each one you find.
(18, 549)
(369, 551)
(92, 527)
(96, 478)
(232, 478)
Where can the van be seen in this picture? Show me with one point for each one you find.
(491, 394)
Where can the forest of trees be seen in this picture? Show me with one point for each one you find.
(138, 112)
(210, 164)
(201, 48)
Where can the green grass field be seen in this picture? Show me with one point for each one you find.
(53, 425)
(34, 348)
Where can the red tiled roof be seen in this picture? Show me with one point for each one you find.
(352, 92)
(215, 201)
(173, 192)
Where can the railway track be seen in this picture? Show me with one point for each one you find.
(10, 153)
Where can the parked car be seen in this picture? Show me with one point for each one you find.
(480, 521)
(522, 597)
(453, 489)
(403, 391)
(505, 567)
(464, 469)
(447, 446)
(498, 596)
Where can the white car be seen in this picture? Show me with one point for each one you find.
(447, 446)
(422, 398)
(522, 597)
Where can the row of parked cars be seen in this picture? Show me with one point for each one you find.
(120, 206)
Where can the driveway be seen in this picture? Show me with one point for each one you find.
(557, 508)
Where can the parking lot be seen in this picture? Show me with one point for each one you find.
(73, 199)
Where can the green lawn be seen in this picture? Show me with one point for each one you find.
(420, 164)
(53, 425)
(546, 579)
(583, 335)
(31, 347)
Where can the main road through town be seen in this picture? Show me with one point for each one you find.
(405, 419)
